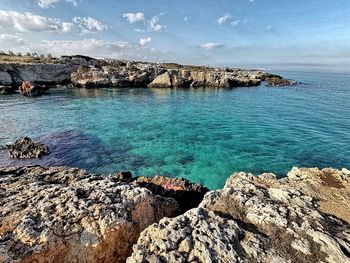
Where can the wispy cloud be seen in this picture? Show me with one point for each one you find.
(238, 22)
(211, 45)
(224, 19)
(51, 3)
(28, 22)
(96, 48)
(11, 41)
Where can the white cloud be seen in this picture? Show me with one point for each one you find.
(144, 41)
(134, 17)
(90, 47)
(224, 19)
(211, 45)
(152, 24)
(11, 41)
(96, 48)
(28, 22)
(89, 25)
(268, 28)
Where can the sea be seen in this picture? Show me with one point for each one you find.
(204, 135)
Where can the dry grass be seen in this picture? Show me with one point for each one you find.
(24, 59)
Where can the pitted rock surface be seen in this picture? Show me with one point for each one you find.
(68, 215)
(259, 219)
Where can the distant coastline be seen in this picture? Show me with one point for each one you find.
(81, 71)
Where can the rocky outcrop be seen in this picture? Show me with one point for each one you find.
(162, 81)
(91, 73)
(165, 76)
(116, 74)
(26, 148)
(42, 74)
(48, 74)
(63, 215)
(302, 218)
(278, 81)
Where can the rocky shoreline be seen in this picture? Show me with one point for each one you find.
(86, 72)
(61, 214)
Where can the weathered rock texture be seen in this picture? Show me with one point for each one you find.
(302, 218)
(187, 194)
(26, 148)
(42, 75)
(164, 76)
(68, 215)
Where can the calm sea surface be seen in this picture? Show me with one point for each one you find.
(203, 135)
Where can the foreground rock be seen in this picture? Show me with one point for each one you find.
(68, 215)
(26, 148)
(302, 218)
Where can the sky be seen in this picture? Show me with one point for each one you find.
(276, 34)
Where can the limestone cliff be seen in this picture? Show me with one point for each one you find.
(88, 72)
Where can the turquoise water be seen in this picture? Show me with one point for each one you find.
(203, 135)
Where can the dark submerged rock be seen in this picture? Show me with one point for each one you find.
(186, 193)
(26, 148)
(7, 90)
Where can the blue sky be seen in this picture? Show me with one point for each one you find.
(277, 34)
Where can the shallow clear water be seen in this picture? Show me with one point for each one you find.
(203, 135)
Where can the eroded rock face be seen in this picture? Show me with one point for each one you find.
(62, 215)
(187, 194)
(155, 75)
(259, 219)
(45, 74)
(26, 148)
(88, 72)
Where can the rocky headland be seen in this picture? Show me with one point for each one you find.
(61, 214)
(86, 72)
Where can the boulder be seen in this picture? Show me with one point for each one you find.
(66, 215)
(259, 219)
(26, 148)
(161, 81)
(275, 81)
